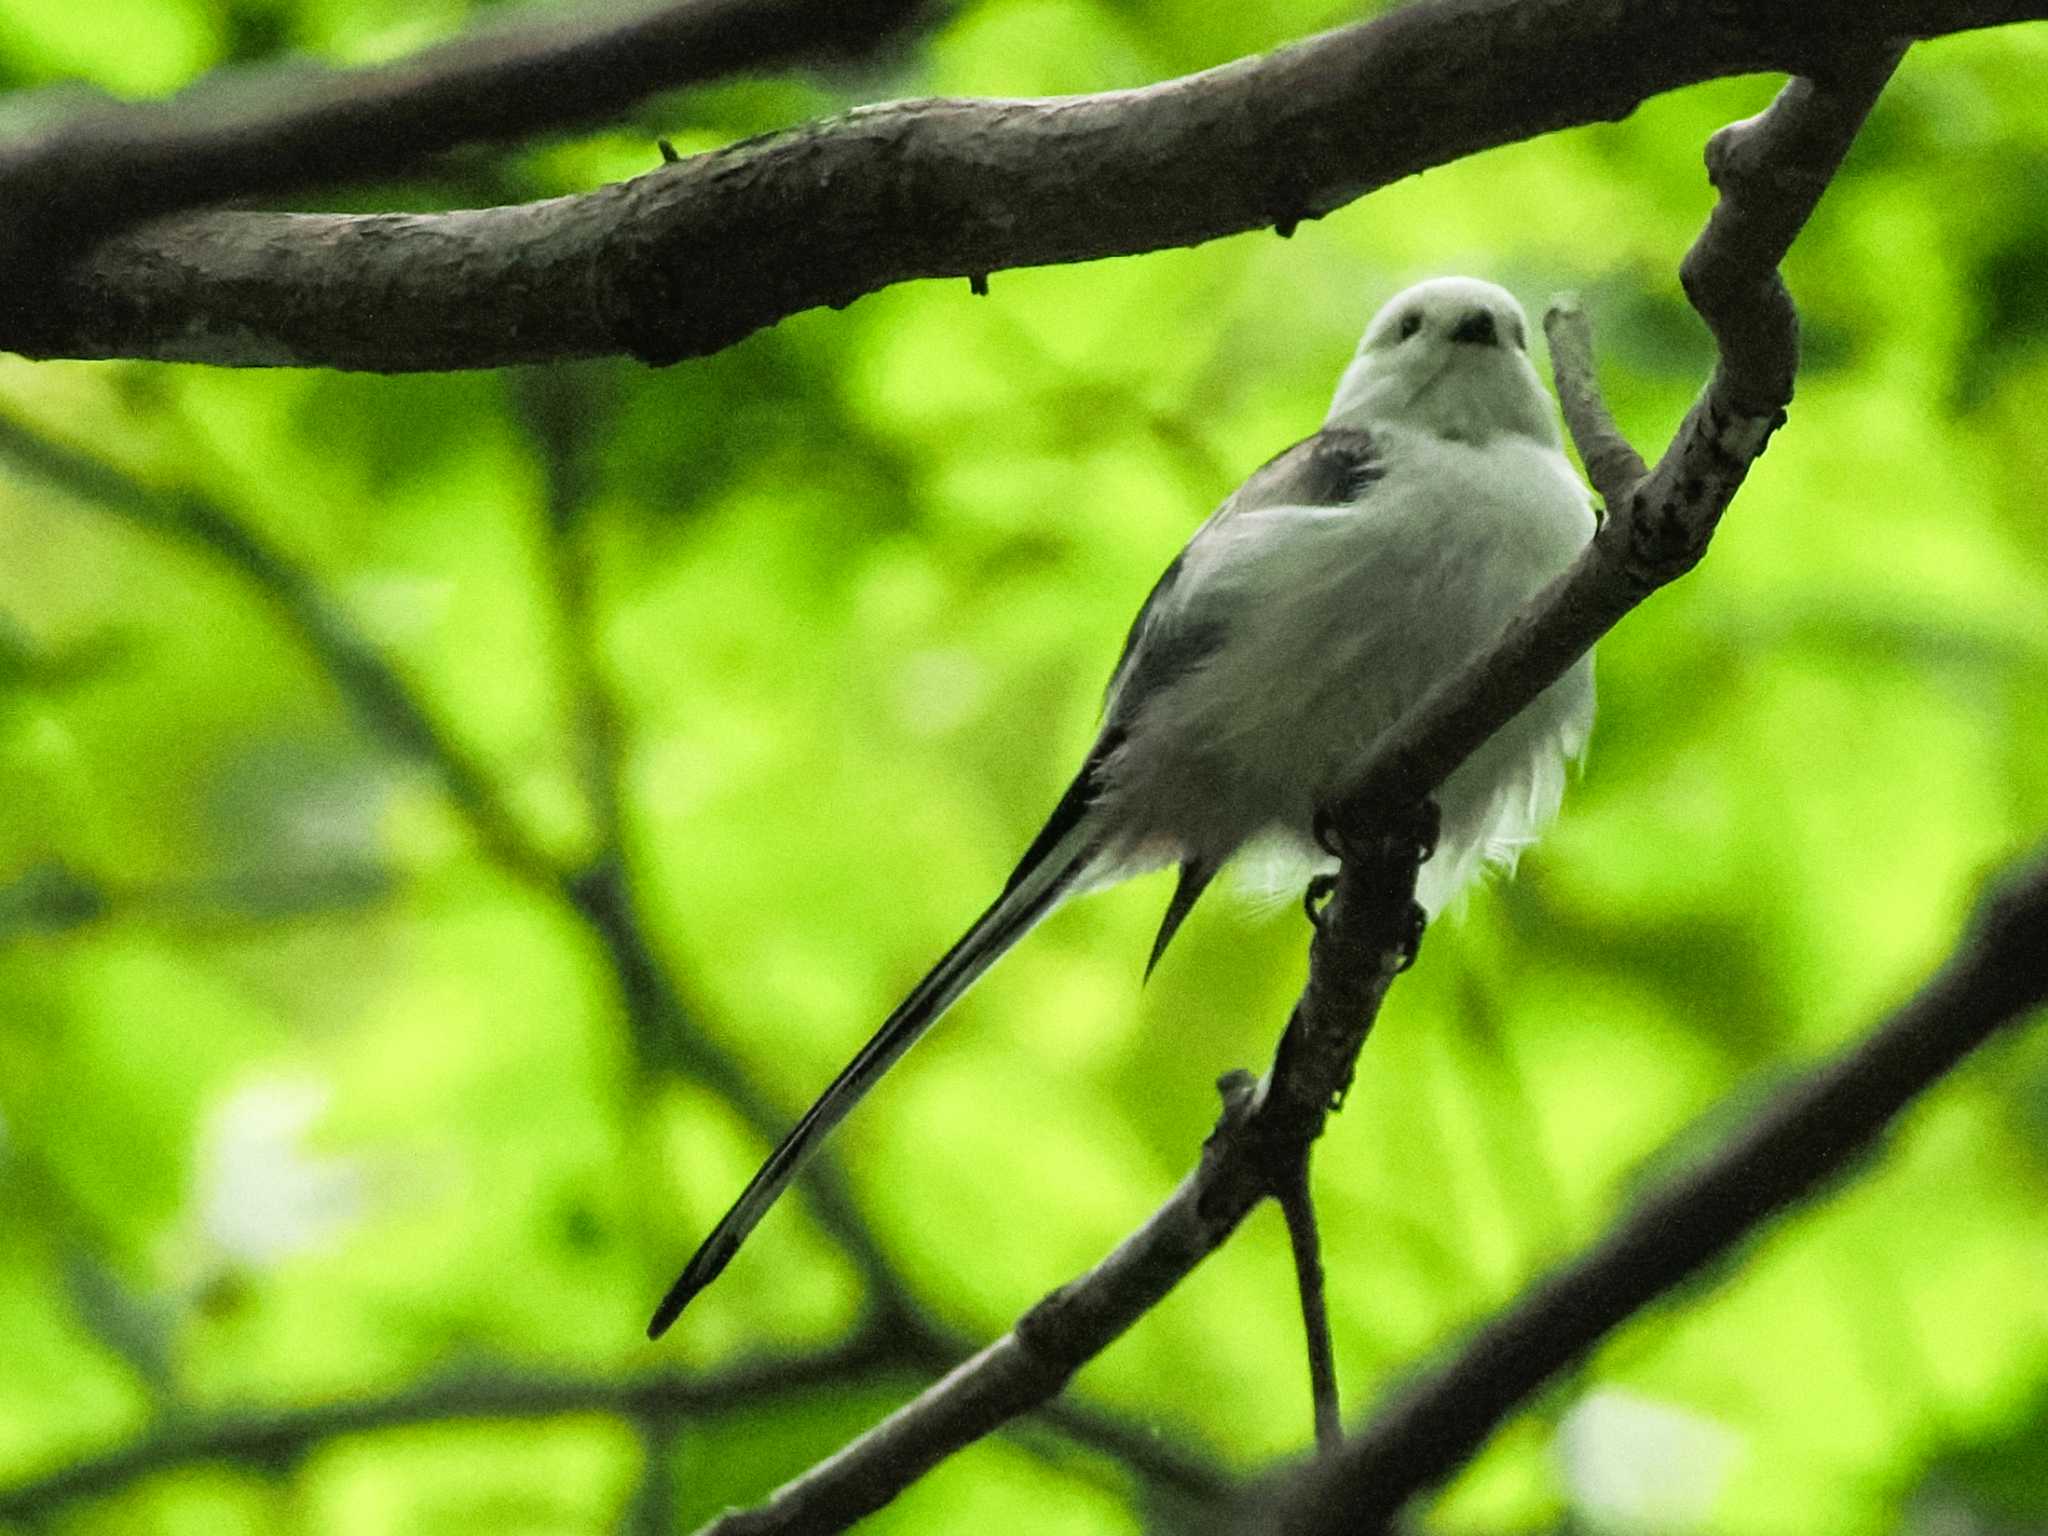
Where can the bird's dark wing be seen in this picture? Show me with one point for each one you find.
(1332, 468)
(1195, 875)
(1328, 469)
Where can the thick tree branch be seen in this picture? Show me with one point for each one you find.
(1817, 1130)
(108, 168)
(700, 254)
(1364, 938)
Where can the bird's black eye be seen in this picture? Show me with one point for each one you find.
(1410, 324)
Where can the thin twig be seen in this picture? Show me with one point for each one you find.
(1614, 467)
(695, 256)
(1297, 1205)
(557, 407)
(1818, 1130)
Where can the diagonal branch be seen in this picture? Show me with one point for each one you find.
(1771, 170)
(380, 698)
(1816, 1130)
(113, 166)
(695, 256)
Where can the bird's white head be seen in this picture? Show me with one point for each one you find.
(1450, 357)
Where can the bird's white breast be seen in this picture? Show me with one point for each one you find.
(1336, 620)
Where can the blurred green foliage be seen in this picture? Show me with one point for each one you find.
(309, 1092)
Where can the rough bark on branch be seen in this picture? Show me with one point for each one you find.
(698, 255)
(1813, 1131)
(114, 165)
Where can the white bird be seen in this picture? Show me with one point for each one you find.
(1318, 603)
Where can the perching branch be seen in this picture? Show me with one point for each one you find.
(697, 255)
(1771, 171)
(1363, 940)
(1815, 1130)
(118, 164)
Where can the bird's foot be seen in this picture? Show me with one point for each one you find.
(1411, 942)
(1413, 831)
(1315, 897)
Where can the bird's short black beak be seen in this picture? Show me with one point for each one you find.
(1477, 328)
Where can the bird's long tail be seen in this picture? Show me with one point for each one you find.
(1058, 857)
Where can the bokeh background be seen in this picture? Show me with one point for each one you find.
(448, 824)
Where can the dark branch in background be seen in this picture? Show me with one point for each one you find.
(653, 1508)
(388, 707)
(659, 1402)
(596, 894)
(279, 1437)
(1816, 1130)
(697, 255)
(384, 704)
(1362, 942)
(117, 165)
(557, 409)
